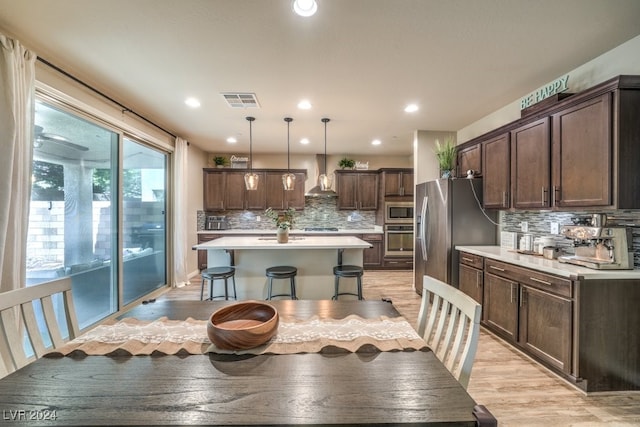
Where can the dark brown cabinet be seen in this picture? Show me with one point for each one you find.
(497, 167)
(398, 182)
(357, 190)
(279, 198)
(471, 276)
(372, 257)
(202, 255)
(531, 165)
(500, 309)
(582, 151)
(237, 197)
(214, 191)
(469, 158)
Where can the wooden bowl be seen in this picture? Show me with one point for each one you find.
(242, 325)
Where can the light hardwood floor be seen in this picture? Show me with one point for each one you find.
(517, 391)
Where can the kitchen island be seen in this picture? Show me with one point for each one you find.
(313, 256)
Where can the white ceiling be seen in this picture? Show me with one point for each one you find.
(359, 62)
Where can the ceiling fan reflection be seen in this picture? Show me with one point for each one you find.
(42, 137)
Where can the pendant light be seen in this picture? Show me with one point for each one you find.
(250, 178)
(324, 178)
(288, 179)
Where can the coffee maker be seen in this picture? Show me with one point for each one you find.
(599, 247)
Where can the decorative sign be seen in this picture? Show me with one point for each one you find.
(362, 165)
(239, 162)
(557, 86)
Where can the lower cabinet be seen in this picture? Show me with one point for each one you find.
(202, 255)
(372, 257)
(471, 276)
(532, 310)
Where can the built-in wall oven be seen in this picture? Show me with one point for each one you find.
(398, 212)
(398, 240)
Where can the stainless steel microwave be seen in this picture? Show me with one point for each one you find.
(398, 212)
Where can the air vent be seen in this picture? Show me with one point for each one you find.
(241, 100)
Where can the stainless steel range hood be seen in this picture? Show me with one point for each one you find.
(317, 190)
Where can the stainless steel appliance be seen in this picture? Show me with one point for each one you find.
(448, 213)
(601, 248)
(398, 212)
(215, 222)
(398, 240)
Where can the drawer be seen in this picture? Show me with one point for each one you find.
(535, 279)
(207, 237)
(472, 260)
(401, 264)
(372, 237)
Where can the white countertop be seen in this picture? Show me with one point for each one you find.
(341, 231)
(270, 242)
(547, 265)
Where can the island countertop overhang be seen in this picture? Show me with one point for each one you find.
(306, 242)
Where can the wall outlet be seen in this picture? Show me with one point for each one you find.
(524, 226)
(555, 228)
(258, 219)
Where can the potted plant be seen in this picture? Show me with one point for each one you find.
(220, 161)
(283, 220)
(446, 154)
(346, 163)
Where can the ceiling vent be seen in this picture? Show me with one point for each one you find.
(241, 99)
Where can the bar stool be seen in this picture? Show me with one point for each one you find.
(282, 272)
(218, 273)
(348, 271)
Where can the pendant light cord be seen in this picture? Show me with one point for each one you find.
(325, 120)
(288, 120)
(250, 119)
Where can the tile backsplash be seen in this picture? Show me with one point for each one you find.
(539, 224)
(318, 212)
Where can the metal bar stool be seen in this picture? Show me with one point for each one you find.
(348, 271)
(218, 273)
(282, 272)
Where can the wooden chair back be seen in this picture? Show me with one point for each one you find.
(19, 314)
(449, 321)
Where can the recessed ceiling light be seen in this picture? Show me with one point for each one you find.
(192, 102)
(376, 142)
(305, 8)
(304, 105)
(411, 108)
(231, 140)
(304, 141)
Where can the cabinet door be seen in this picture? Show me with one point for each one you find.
(545, 327)
(214, 194)
(500, 309)
(470, 158)
(202, 255)
(582, 144)
(407, 184)
(295, 198)
(470, 281)
(496, 167)
(255, 199)
(346, 186)
(234, 190)
(275, 190)
(531, 165)
(367, 191)
(372, 257)
(392, 183)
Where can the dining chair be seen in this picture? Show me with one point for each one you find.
(449, 322)
(20, 311)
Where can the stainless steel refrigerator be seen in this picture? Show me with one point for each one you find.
(447, 215)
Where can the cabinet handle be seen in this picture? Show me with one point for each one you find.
(478, 278)
(556, 190)
(496, 268)
(467, 259)
(511, 296)
(541, 281)
(504, 199)
(544, 198)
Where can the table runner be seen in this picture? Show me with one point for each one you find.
(134, 337)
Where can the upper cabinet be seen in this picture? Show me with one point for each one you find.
(224, 189)
(469, 158)
(357, 190)
(497, 169)
(581, 152)
(278, 197)
(531, 165)
(397, 182)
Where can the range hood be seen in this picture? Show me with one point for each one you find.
(317, 190)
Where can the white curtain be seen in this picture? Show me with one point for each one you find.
(17, 100)
(180, 201)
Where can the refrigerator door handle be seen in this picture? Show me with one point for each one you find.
(423, 230)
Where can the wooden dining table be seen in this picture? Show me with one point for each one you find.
(345, 388)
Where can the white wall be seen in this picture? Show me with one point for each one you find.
(624, 59)
(425, 163)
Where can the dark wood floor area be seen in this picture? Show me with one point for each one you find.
(518, 391)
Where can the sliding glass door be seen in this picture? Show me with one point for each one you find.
(97, 212)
